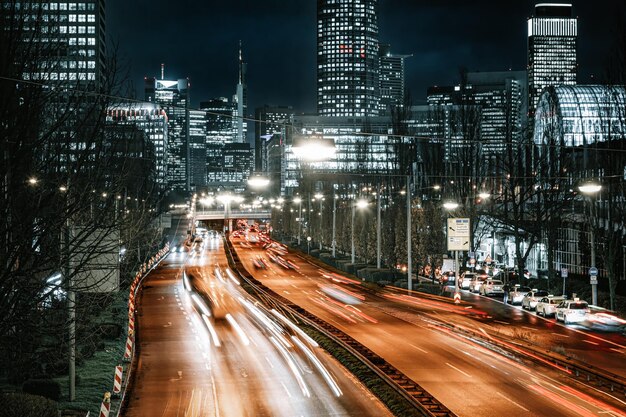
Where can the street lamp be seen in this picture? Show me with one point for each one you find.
(360, 203)
(320, 197)
(298, 200)
(313, 149)
(257, 181)
(591, 189)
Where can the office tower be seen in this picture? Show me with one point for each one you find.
(241, 100)
(269, 120)
(152, 120)
(68, 39)
(197, 148)
(552, 39)
(347, 58)
(173, 97)
(391, 79)
(493, 99)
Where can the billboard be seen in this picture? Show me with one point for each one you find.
(94, 259)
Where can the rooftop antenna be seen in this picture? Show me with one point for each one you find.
(240, 64)
(162, 71)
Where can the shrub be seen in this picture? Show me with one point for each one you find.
(26, 405)
(44, 387)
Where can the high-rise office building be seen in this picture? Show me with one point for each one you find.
(241, 100)
(552, 39)
(152, 120)
(347, 58)
(269, 120)
(72, 47)
(197, 148)
(391, 79)
(173, 97)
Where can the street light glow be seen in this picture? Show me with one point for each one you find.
(484, 195)
(33, 181)
(297, 200)
(450, 205)
(314, 150)
(319, 196)
(590, 188)
(361, 203)
(258, 181)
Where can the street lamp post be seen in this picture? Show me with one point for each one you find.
(334, 242)
(450, 206)
(358, 204)
(591, 189)
(320, 197)
(378, 250)
(299, 201)
(409, 262)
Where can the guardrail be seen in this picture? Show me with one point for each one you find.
(421, 399)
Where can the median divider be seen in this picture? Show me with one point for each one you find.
(422, 401)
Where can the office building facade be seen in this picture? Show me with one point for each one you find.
(269, 121)
(552, 41)
(347, 58)
(392, 88)
(173, 97)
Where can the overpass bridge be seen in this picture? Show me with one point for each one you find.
(232, 214)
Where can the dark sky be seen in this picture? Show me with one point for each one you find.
(199, 40)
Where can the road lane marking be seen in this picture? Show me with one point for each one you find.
(501, 322)
(512, 402)
(457, 369)
(591, 343)
(418, 348)
(617, 350)
(286, 390)
(295, 286)
(528, 328)
(560, 335)
(286, 292)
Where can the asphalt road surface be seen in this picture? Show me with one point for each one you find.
(229, 362)
(465, 376)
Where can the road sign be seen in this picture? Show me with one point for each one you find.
(563, 272)
(593, 280)
(458, 234)
(458, 243)
(593, 271)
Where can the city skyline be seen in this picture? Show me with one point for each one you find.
(285, 34)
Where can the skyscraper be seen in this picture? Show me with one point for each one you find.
(552, 39)
(391, 79)
(347, 58)
(173, 96)
(241, 99)
(73, 44)
(269, 120)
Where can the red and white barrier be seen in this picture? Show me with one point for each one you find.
(106, 405)
(117, 380)
(129, 347)
(131, 324)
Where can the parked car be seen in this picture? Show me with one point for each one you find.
(466, 279)
(517, 293)
(447, 278)
(492, 287)
(546, 306)
(532, 297)
(476, 282)
(572, 311)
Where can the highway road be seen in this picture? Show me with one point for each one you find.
(465, 376)
(228, 361)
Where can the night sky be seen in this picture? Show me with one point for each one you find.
(199, 40)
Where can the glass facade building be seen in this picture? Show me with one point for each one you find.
(269, 121)
(152, 120)
(347, 58)
(391, 79)
(70, 33)
(552, 40)
(580, 115)
(173, 96)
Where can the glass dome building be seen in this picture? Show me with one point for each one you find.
(578, 115)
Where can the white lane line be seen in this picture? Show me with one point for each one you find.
(590, 342)
(286, 390)
(286, 292)
(560, 335)
(501, 322)
(269, 362)
(295, 286)
(616, 350)
(529, 328)
(512, 402)
(457, 369)
(418, 348)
